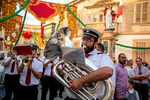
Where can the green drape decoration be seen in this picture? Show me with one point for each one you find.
(9, 17)
(75, 15)
(58, 25)
(132, 47)
(34, 40)
(21, 27)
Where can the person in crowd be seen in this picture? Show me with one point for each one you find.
(101, 61)
(30, 75)
(140, 75)
(144, 63)
(121, 88)
(42, 60)
(131, 64)
(133, 94)
(59, 86)
(49, 82)
(100, 49)
(129, 69)
(2, 58)
(11, 81)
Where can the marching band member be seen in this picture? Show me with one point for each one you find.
(49, 82)
(100, 50)
(101, 61)
(11, 80)
(30, 75)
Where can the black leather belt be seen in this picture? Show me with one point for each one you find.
(140, 84)
(28, 87)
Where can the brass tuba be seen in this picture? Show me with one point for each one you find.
(56, 46)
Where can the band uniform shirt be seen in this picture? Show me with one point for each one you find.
(8, 68)
(40, 58)
(144, 70)
(122, 80)
(100, 61)
(48, 67)
(37, 66)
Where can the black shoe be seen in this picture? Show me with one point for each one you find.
(61, 96)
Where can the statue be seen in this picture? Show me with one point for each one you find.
(109, 16)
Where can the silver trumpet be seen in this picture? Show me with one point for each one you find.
(56, 46)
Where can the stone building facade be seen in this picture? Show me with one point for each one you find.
(134, 31)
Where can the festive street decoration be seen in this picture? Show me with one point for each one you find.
(26, 35)
(41, 10)
(72, 21)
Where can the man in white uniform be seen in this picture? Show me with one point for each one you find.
(11, 80)
(101, 61)
(48, 81)
(30, 75)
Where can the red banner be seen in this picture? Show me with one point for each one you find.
(26, 35)
(41, 10)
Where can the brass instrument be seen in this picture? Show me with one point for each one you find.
(54, 47)
(51, 62)
(13, 57)
(26, 60)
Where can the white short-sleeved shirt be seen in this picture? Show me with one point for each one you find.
(37, 66)
(8, 68)
(48, 67)
(40, 58)
(100, 61)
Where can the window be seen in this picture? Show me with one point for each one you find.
(140, 52)
(89, 11)
(100, 18)
(105, 43)
(94, 18)
(94, 11)
(141, 12)
(89, 19)
(100, 10)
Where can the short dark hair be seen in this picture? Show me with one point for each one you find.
(131, 82)
(138, 58)
(120, 55)
(130, 60)
(14, 48)
(101, 46)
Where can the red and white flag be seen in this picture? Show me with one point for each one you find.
(120, 13)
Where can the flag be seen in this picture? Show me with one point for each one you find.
(120, 13)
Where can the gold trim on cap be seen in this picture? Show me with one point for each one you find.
(34, 47)
(91, 34)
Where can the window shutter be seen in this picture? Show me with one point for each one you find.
(144, 12)
(138, 13)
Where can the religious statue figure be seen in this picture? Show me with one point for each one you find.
(109, 16)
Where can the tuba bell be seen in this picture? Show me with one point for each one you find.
(58, 45)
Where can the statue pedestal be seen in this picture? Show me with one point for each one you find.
(108, 40)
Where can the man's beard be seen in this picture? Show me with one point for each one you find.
(89, 49)
(122, 63)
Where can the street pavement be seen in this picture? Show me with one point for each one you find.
(47, 97)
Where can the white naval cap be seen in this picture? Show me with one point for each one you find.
(91, 32)
(34, 46)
